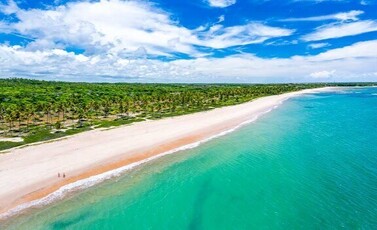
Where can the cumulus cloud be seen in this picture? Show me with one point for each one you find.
(63, 65)
(343, 16)
(354, 62)
(91, 26)
(346, 63)
(341, 30)
(323, 74)
(221, 3)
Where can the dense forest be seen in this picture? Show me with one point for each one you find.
(42, 110)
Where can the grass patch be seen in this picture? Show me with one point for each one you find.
(41, 134)
(118, 122)
(9, 144)
(45, 134)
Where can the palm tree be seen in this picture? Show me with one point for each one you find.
(2, 113)
(106, 105)
(11, 116)
(61, 107)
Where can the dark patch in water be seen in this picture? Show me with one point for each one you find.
(64, 224)
(361, 95)
(324, 94)
(197, 216)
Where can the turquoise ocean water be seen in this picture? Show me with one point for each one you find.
(309, 164)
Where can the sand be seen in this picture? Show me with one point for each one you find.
(30, 173)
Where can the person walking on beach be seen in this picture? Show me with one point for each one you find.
(58, 174)
(63, 175)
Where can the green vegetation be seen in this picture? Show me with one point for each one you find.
(41, 110)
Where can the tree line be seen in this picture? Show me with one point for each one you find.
(29, 103)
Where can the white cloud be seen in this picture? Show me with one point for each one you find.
(91, 26)
(366, 2)
(9, 8)
(139, 25)
(218, 36)
(318, 45)
(221, 3)
(221, 19)
(360, 50)
(3, 27)
(341, 30)
(355, 62)
(344, 16)
(322, 74)
(348, 63)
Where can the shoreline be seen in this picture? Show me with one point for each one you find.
(91, 157)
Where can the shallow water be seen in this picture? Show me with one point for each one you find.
(309, 164)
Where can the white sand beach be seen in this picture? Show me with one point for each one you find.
(31, 172)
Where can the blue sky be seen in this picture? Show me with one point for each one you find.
(189, 41)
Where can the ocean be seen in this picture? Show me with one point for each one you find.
(309, 164)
